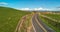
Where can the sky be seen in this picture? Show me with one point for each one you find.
(31, 4)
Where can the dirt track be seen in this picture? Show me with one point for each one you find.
(21, 23)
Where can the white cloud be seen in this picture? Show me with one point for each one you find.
(25, 9)
(3, 3)
(41, 9)
(35, 9)
(38, 8)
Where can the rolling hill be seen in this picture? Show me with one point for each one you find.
(9, 18)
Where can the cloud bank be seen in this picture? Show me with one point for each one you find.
(34, 9)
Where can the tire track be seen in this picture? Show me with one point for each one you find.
(20, 24)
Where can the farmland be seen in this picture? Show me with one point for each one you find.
(54, 25)
(9, 18)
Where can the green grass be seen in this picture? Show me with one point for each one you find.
(9, 18)
(54, 16)
(54, 25)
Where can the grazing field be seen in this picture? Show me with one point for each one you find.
(54, 25)
(9, 18)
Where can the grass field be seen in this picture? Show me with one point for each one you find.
(54, 25)
(9, 18)
(54, 16)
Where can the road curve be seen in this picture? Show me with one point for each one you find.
(39, 26)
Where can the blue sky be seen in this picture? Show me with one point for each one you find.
(32, 4)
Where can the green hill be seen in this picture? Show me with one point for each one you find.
(9, 18)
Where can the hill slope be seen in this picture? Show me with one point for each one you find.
(9, 18)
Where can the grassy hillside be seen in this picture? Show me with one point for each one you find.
(9, 18)
(54, 25)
